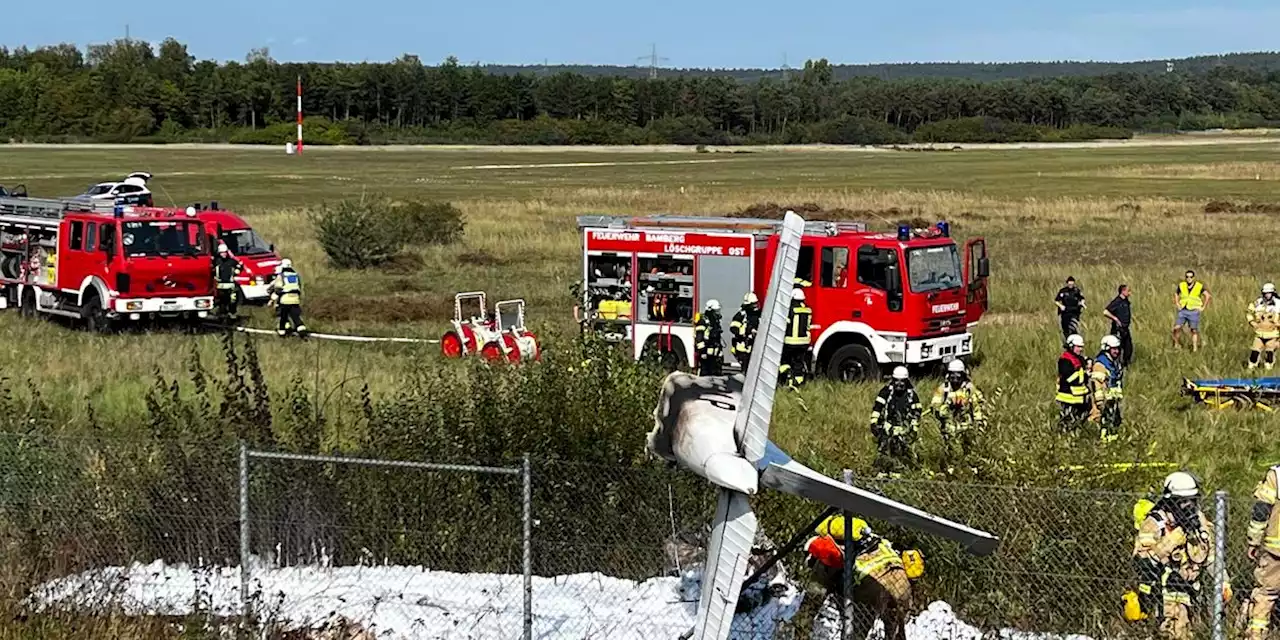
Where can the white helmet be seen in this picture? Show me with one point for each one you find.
(899, 373)
(1181, 484)
(191, 212)
(955, 366)
(285, 264)
(1268, 288)
(797, 294)
(713, 305)
(222, 247)
(750, 298)
(1075, 340)
(1110, 342)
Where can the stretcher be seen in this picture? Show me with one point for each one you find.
(1242, 393)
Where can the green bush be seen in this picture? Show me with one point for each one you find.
(976, 130)
(371, 231)
(420, 223)
(355, 233)
(852, 130)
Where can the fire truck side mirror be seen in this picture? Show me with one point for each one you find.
(894, 282)
(984, 267)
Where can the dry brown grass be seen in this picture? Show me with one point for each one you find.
(1197, 171)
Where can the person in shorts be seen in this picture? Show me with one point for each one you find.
(1190, 297)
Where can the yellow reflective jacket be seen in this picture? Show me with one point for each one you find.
(1264, 317)
(1264, 523)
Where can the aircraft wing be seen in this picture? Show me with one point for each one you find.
(781, 473)
(752, 422)
(728, 555)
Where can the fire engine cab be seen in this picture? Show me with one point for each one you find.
(878, 299)
(99, 261)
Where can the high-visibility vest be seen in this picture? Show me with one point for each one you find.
(290, 287)
(798, 326)
(1190, 298)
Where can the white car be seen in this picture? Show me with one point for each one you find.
(132, 190)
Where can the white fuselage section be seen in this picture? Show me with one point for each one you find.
(694, 427)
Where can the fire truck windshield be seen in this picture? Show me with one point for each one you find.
(161, 238)
(933, 268)
(245, 242)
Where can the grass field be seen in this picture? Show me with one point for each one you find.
(1117, 214)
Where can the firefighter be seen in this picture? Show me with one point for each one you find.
(286, 295)
(1263, 538)
(1173, 547)
(895, 423)
(1073, 387)
(708, 341)
(957, 404)
(743, 329)
(881, 585)
(795, 348)
(1107, 374)
(225, 270)
(1264, 317)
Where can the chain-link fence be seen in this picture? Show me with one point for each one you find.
(545, 549)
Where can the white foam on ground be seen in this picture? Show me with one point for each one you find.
(414, 602)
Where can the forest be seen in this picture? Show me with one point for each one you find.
(133, 91)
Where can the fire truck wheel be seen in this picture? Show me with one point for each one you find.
(852, 362)
(95, 317)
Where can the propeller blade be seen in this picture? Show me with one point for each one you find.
(728, 554)
(796, 479)
(752, 422)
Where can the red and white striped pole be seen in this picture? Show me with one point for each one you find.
(299, 115)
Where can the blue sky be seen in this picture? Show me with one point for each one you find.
(709, 33)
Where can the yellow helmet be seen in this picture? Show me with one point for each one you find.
(834, 526)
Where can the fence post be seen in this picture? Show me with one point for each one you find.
(244, 533)
(1219, 563)
(527, 539)
(846, 625)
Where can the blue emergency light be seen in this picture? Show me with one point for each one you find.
(944, 228)
(904, 232)
(118, 211)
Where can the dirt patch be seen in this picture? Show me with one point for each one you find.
(1226, 206)
(387, 309)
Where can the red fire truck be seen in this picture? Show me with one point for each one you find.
(100, 262)
(878, 299)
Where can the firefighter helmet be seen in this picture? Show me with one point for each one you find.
(750, 298)
(834, 526)
(222, 247)
(1110, 342)
(713, 305)
(1181, 484)
(955, 366)
(899, 373)
(1075, 340)
(1268, 288)
(797, 294)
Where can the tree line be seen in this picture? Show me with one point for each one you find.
(129, 90)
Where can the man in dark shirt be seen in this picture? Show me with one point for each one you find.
(1120, 313)
(1070, 301)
